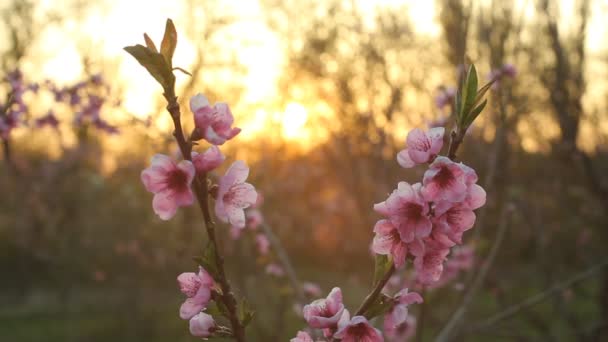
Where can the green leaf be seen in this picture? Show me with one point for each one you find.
(469, 92)
(208, 261)
(458, 105)
(154, 63)
(383, 264)
(150, 43)
(482, 91)
(214, 310)
(167, 46)
(474, 114)
(381, 306)
(245, 313)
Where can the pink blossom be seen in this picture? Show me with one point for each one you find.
(234, 195)
(311, 289)
(262, 244)
(453, 219)
(403, 332)
(429, 258)
(476, 195)
(302, 337)
(444, 180)
(197, 287)
(170, 184)
(421, 147)
(275, 270)
(202, 325)
(407, 211)
(461, 259)
(399, 313)
(325, 313)
(388, 242)
(213, 123)
(208, 160)
(358, 329)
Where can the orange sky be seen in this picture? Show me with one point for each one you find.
(113, 24)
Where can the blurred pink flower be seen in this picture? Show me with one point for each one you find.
(234, 195)
(208, 160)
(197, 287)
(444, 180)
(461, 259)
(302, 337)
(213, 123)
(170, 184)
(274, 270)
(202, 325)
(408, 211)
(262, 244)
(421, 147)
(399, 312)
(358, 329)
(388, 242)
(403, 332)
(325, 313)
(311, 289)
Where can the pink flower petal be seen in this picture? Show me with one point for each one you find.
(404, 159)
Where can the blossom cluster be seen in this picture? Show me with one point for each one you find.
(198, 288)
(426, 219)
(13, 111)
(335, 321)
(172, 183)
(84, 99)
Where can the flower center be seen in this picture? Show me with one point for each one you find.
(177, 180)
(444, 177)
(412, 211)
(359, 330)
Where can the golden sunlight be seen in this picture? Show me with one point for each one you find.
(293, 120)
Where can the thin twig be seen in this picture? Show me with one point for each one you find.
(531, 301)
(284, 260)
(454, 320)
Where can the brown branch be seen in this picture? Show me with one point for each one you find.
(201, 191)
(516, 308)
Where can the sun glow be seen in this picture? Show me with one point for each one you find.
(293, 120)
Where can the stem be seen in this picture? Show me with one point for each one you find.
(201, 191)
(516, 308)
(371, 298)
(456, 138)
(284, 260)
